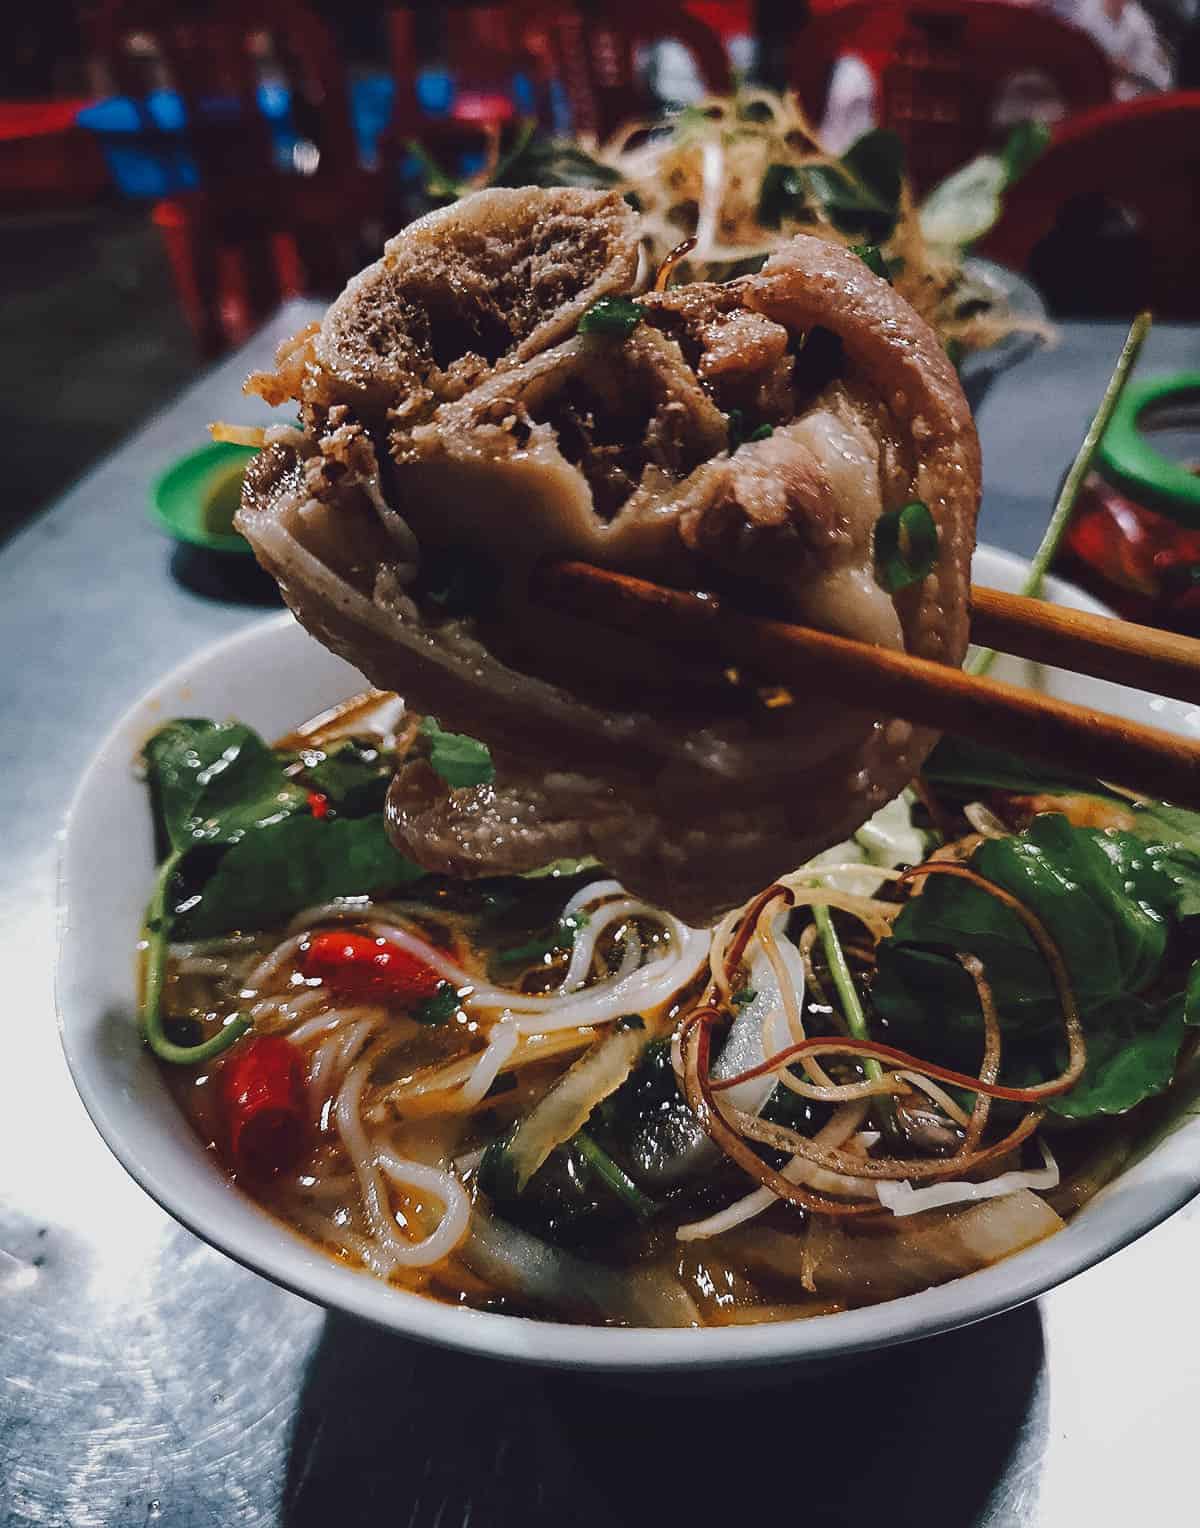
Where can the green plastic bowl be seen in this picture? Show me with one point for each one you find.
(195, 499)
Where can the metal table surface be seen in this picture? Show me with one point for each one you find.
(147, 1379)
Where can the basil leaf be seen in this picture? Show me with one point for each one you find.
(1105, 899)
(268, 877)
(457, 759)
(212, 783)
(1175, 834)
(613, 317)
(1132, 1054)
(906, 546)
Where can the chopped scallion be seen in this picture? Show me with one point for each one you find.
(906, 545)
(872, 257)
(613, 317)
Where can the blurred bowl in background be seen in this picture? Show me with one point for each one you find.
(1023, 301)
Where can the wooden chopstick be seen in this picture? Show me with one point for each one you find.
(816, 664)
(1120, 651)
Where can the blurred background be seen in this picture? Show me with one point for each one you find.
(171, 172)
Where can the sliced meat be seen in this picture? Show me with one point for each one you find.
(476, 284)
(686, 782)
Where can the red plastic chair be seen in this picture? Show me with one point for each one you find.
(252, 234)
(942, 67)
(1108, 220)
(593, 52)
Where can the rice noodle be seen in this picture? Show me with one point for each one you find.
(271, 965)
(649, 986)
(369, 1167)
(593, 892)
(448, 1079)
(455, 1219)
(632, 953)
(347, 1118)
(902, 1199)
(583, 952)
(321, 1064)
(502, 1042)
(199, 965)
(274, 1013)
(337, 911)
(329, 1020)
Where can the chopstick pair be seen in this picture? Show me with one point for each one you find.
(819, 665)
(965, 702)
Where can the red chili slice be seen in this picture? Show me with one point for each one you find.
(262, 1090)
(351, 965)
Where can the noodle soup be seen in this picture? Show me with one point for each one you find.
(540, 1095)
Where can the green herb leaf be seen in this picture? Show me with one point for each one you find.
(783, 193)
(906, 546)
(614, 318)
(746, 995)
(1106, 900)
(614, 1178)
(459, 760)
(269, 877)
(877, 160)
(353, 774)
(213, 783)
(562, 867)
(439, 1008)
(1175, 834)
(1132, 1053)
(537, 161)
(739, 435)
(861, 194)
(872, 257)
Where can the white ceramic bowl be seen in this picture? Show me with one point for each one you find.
(273, 675)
